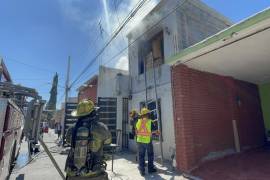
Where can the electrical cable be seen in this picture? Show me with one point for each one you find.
(92, 72)
(118, 30)
(28, 65)
(140, 36)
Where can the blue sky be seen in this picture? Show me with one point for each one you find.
(36, 37)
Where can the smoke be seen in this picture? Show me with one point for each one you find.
(75, 11)
(122, 63)
(125, 8)
(106, 13)
(121, 41)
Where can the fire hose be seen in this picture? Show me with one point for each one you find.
(51, 158)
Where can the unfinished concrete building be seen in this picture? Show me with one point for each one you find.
(171, 26)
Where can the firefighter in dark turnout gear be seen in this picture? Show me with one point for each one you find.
(87, 138)
(134, 116)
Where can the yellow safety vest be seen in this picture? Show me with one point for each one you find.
(144, 131)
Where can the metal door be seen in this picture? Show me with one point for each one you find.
(69, 121)
(125, 124)
(108, 114)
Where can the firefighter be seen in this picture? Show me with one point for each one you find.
(134, 116)
(87, 138)
(144, 131)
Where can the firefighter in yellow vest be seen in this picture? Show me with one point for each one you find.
(144, 131)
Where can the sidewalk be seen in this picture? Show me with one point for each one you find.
(125, 168)
(41, 168)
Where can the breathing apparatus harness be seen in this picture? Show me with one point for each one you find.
(92, 162)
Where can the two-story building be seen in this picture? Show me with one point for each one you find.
(171, 26)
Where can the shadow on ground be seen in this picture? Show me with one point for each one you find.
(249, 165)
(20, 177)
(125, 168)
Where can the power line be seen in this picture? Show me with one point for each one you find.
(28, 79)
(92, 44)
(100, 56)
(28, 65)
(116, 5)
(118, 30)
(145, 32)
(61, 97)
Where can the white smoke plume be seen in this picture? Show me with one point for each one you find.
(109, 20)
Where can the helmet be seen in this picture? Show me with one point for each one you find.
(144, 111)
(132, 113)
(84, 108)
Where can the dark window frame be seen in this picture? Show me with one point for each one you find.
(142, 105)
(145, 47)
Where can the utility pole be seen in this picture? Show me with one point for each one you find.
(67, 88)
(67, 81)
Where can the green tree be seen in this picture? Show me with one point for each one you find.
(51, 105)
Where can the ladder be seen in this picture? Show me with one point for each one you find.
(158, 119)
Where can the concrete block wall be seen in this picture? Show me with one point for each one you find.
(204, 107)
(196, 21)
(190, 23)
(198, 26)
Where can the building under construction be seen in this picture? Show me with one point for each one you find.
(190, 23)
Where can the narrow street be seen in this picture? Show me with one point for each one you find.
(135, 90)
(41, 168)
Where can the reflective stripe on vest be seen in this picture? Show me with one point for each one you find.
(143, 131)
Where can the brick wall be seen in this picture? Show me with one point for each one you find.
(204, 106)
(88, 93)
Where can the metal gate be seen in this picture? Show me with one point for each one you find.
(69, 121)
(125, 124)
(107, 114)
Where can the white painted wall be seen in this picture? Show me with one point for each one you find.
(110, 84)
(164, 93)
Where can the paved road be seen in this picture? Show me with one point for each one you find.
(41, 168)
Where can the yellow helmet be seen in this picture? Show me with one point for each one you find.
(144, 111)
(132, 113)
(84, 108)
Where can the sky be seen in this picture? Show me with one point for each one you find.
(37, 37)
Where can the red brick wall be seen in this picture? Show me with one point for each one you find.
(204, 106)
(88, 93)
